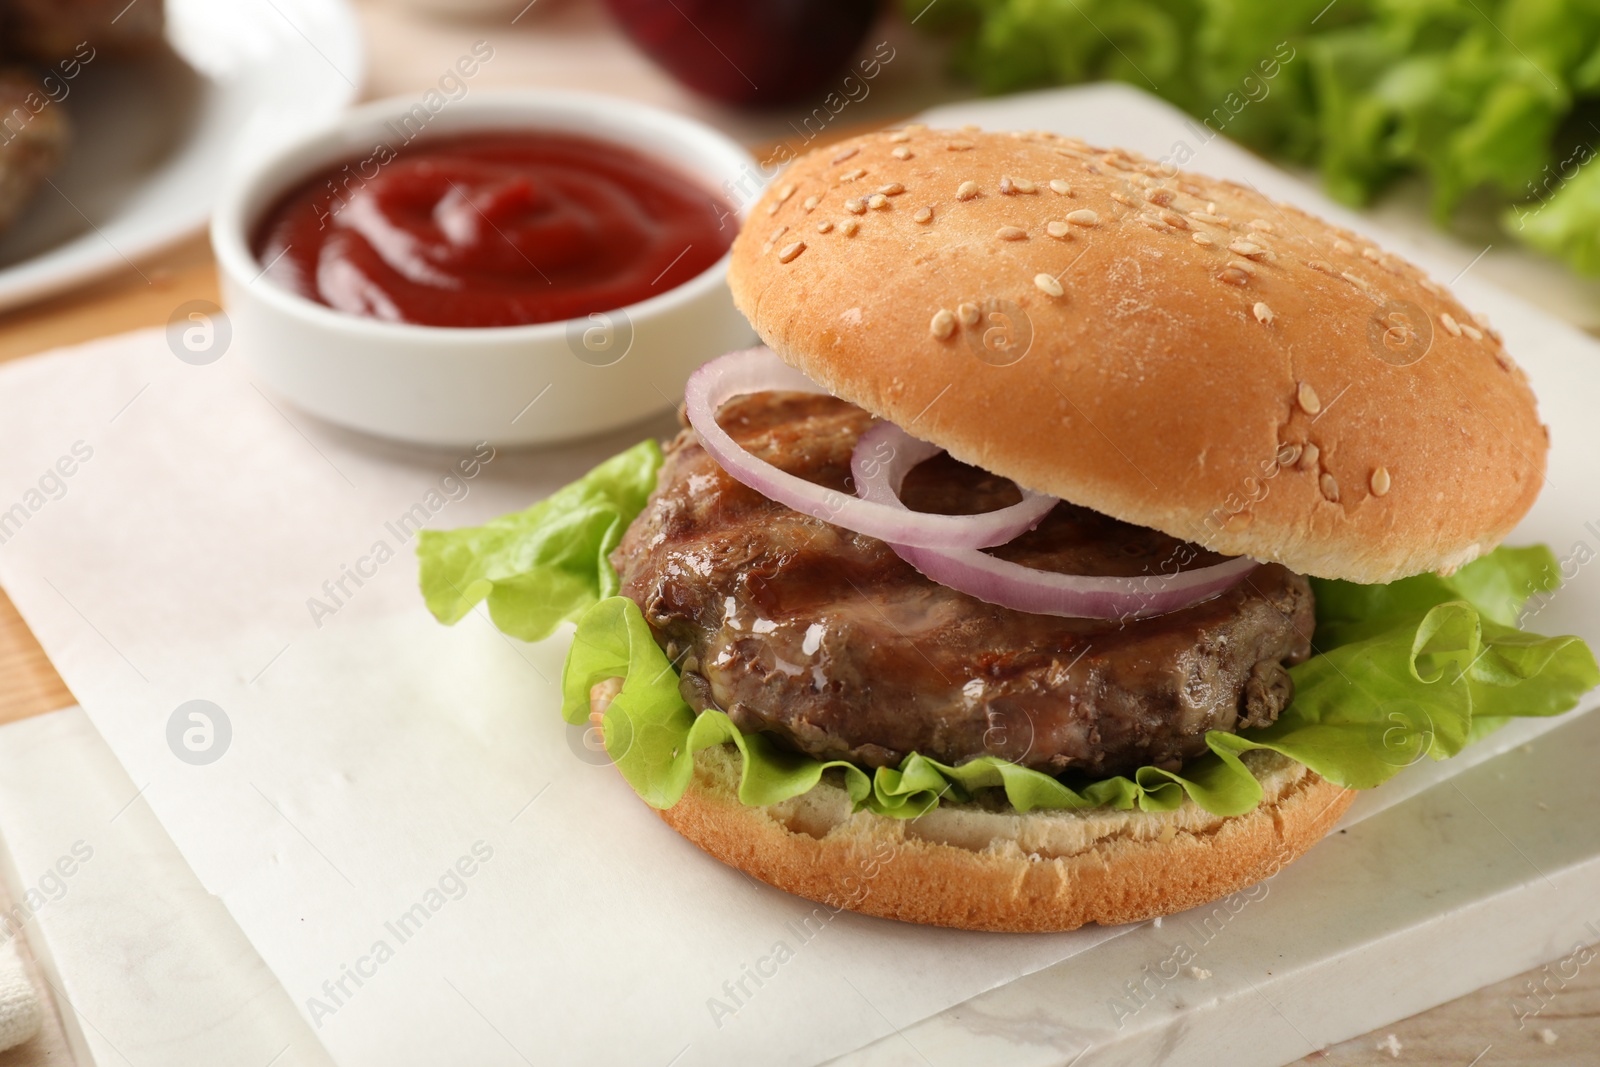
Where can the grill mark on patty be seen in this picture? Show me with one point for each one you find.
(831, 643)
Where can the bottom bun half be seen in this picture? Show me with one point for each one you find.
(979, 868)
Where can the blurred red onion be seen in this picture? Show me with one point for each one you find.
(751, 52)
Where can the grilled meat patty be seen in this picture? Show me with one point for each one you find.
(33, 140)
(49, 30)
(828, 640)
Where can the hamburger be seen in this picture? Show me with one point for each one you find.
(1084, 535)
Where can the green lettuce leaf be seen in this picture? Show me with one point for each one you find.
(1565, 220)
(546, 565)
(1347, 612)
(1419, 667)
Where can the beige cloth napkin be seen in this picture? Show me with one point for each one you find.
(19, 1004)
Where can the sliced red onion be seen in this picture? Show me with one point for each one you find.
(758, 370)
(1011, 585)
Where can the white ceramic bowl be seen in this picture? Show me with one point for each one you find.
(512, 385)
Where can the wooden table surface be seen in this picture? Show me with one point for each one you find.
(1479, 1029)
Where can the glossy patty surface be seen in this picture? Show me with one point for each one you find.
(830, 641)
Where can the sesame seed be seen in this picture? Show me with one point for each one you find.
(810, 203)
(1330, 488)
(966, 190)
(1205, 216)
(1083, 217)
(791, 251)
(852, 175)
(1431, 286)
(1010, 186)
(1370, 254)
(900, 136)
(943, 324)
(1448, 321)
(968, 314)
(1247, 249)
(1154, 223)
(1158, 196)
(1202, 239)
(1011, 233)
(1243, 266)
(1305, 394)
(1060, 188)
(1379, 481)
(772, 238)
(785, 193)
(924, 215)
(824, 226)
(1056, 228)
(972, 127)
(892, 189)
(958, 146)
(855, 207)
(902, 153)
(1320, 266)
(1262, 313)
(1472, 332)
(877, 201)
(1175, 220)
(1355, 280)
(1234, 276)
(1211, 205)
(1288, 452)
(772, 208)
(1308, 457)
(848, 153)
(1261, 224)
(1048, 284)
(1344, 247)
(1122, 198)
(849, 227)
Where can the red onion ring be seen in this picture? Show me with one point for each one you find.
(1011, 585)
(757, 370)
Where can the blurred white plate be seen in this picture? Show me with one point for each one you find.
(154, 137)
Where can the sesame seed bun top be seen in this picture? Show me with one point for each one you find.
(1166, 348)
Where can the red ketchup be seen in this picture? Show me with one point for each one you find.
(493, 229)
